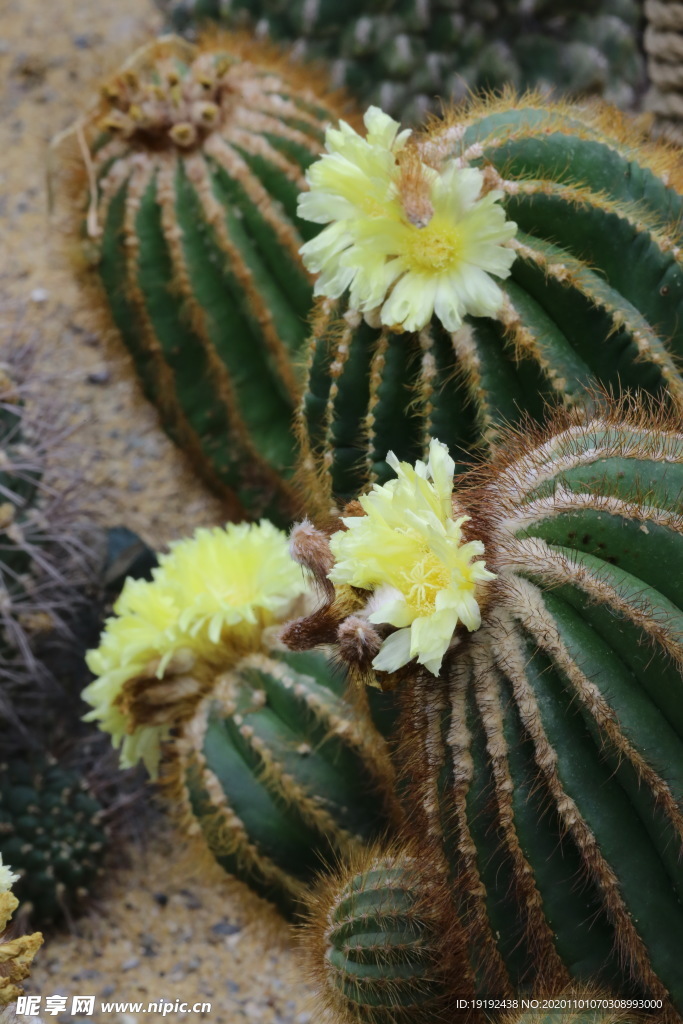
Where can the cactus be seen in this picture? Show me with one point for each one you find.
(41, 563)
(544, 749)
(258, 749)
(16, 954)
(51, 833)
(664, 48)
(404, 54)
(181, 185)
(378, 945)
(279, 774)
(593, 295)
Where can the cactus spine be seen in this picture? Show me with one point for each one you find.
(279, 774)
(402, 55)
(40, 566)
(594, 294)
(186, 205)
(546, 758)
(51, 833)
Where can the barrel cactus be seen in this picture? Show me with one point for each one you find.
(513, 254)
(182, 183)
(532, 626)
(52, 834)
(404, 54)
(379, 946)
(262, 757)
(16, 954)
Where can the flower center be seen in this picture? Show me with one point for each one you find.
(434, 248)
(422, 582)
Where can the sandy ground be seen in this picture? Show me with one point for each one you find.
(158, 932)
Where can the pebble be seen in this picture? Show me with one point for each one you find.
(40, 295)
(102, 376)
(129, 965)
(225, 927)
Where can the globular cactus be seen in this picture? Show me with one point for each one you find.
(664, 48)
(379, 948)
(51, 832)
(280, 775)
(260, 753)
(403, 55)
(541, 724)
(16, 954)
(588, 290)
(182, 183)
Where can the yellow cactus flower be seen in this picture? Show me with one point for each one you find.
(409, 550)
(404, 237)
(16, 955)
(7, 879)
(209, 603)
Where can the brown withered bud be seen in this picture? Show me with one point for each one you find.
(310, 547)
(312, 631)
(414, 189)
(358, 643)
(147, 700)
(352, 508)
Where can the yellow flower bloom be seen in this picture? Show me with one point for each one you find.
(401, 235)
(7, 879)
(409, 551)
(16, 954)
(210, 600)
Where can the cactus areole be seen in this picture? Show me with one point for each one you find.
(545, 753)
(439, 319)
(184, 190)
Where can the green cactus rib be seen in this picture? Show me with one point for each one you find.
(281, 775)
(595, 297)
(196, 259)
(549, 765)
(51, 833)
(403, 55)
(378, 942)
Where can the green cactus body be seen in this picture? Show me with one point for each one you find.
(378, 945)
(280, 775)
(594, 297)
(195, 159)
(544, 758)
(402, 54)
(51, 833)
(550, 754)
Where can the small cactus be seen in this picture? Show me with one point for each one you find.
(51, 833)
(379, 948)
(183, 183)
(541, 728)
(664, 48)
(588, 291)
(41, 562)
